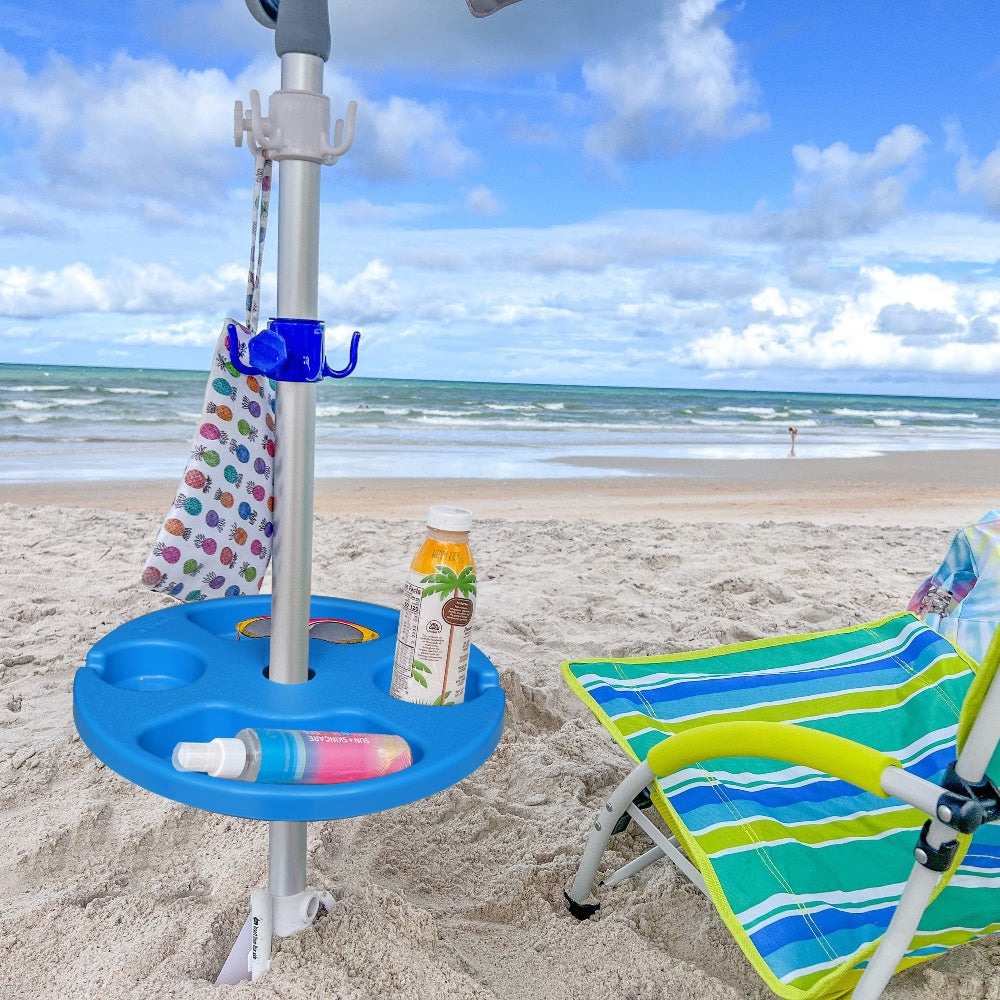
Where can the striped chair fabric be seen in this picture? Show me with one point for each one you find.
(805, 869)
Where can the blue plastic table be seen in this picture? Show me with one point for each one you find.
(180, 674)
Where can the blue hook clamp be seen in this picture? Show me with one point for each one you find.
(288, 350)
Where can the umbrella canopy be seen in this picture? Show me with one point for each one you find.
(483, 8)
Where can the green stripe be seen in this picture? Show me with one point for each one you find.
(762, 832)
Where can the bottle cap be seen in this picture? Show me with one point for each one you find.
(222, 758)
(446, 518)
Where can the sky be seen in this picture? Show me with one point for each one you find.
(766, 194)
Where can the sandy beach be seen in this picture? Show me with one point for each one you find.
(111, 891)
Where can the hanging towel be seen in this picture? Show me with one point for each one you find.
(217, 537)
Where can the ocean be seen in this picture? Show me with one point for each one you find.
(65, 423)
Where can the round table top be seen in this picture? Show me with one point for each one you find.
(183, 674)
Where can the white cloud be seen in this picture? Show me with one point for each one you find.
(697, 284)
(142, 135)
(136, 128)
(403, 138)
(681, 82)
(913, 325)
(516, 313)
(188, 333)
(839, 192)
(553, 257)
(981, 178)
(900, 323)
(131, 289)
(18, 219)
(368, 297)
(482, 201)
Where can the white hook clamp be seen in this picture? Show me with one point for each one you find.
(297, 127)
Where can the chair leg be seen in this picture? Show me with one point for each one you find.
(633, 867)
(604, 826)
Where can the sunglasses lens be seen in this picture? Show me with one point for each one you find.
(331, 631)
(327, 629)
(256, 628)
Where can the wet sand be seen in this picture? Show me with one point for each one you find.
(907, 488)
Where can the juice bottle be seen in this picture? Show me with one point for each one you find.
(435, 625)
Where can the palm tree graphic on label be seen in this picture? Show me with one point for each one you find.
(455, 590)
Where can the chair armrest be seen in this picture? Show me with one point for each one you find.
(834, 755)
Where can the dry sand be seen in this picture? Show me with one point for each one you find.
(111, 891)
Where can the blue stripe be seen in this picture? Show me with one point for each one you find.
(791, 944)
(679, 698)
(836, 793)
(931, 767)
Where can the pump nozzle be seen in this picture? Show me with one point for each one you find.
(222, 758)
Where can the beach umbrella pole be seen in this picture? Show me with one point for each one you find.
(298, 284)
(296, 136)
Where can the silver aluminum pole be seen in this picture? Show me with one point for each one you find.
(298, 292)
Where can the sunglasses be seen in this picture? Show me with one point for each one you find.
(327, 629)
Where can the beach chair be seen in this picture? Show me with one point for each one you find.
(823, 790)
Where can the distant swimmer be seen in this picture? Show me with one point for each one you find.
(793, 431)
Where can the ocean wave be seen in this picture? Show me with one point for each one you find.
(717, 422)
(138, 392)
(367, 411)
(904, 414)
(49, 404)
(34, 388)
(757, 411)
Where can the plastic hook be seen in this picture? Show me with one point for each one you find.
(236, 349)
(352, 362)
(343, 138)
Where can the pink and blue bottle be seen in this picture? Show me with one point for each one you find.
(292, 756)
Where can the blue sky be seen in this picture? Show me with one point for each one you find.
(774, 194)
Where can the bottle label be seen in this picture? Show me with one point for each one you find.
(289, 756)
(435, 636)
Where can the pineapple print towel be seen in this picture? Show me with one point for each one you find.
(216, 540)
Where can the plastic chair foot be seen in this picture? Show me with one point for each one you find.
(580, 910)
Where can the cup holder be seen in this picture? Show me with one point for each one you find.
(151, 666)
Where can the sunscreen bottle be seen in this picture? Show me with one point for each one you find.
(291, 756)
(435, 625)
